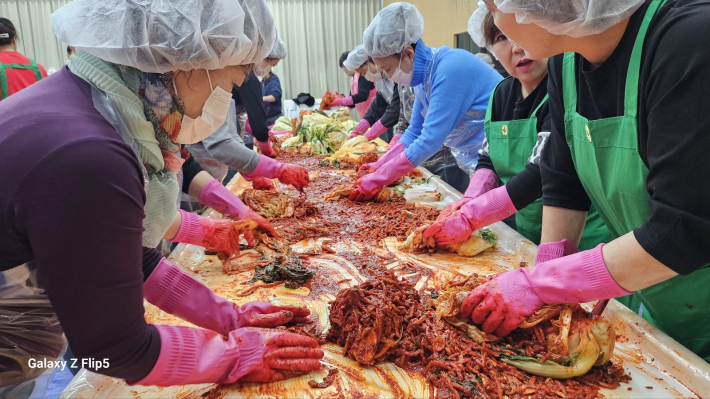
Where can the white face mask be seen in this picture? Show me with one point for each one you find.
(373, 77)
(401, 78)
(214, 114)
(265, 71)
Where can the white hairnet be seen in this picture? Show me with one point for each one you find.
(356, 58)
(486, 58)
(166, 35)
(395, 27)
(475, 24)
(279, 50)
(574, 18)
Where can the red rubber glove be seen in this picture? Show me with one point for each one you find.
(374, 166)
(375, 131)
(179, 294)
(294, 175)
(262, 183)
(490, 207)
(503, 302)
(342, 102)
(368, 186)
(219, 198)
(197, 356)
(266, 148)
(212, 234)
(360, 129)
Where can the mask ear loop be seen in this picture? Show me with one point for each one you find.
(175, 87)
(209, 80)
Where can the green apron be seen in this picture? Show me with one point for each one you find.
(3, 75)
(510, 144)
(605, 154)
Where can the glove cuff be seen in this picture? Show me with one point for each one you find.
(178, 352)
(190, 231)
(483, 181)
(577, 278)
(267, 167)
(218, 197)
(553, 250)
(167, 286)
(375, 131)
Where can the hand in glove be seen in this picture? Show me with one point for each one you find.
(374, 166)
(368, 186)
(219, 198)
(483, 181)
(360, 129)
(503, 302)
(212, 234)
(266, 148)
(197, 356)
(179, 294)
(295, 175)
(490, 207)
(342, 102)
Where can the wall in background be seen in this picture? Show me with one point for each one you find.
(31, 19)
(443, 19)
(316, 33)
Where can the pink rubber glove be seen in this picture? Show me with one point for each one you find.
(483, 181)
(219, 198)
(490, 207)
(295, 175)
(342, 102)
(266, 148)
(503, 302)
(375, 131)
(212, 234)
(553, 250)
(360, 129)
(177, 293)
(395, 140)
(197, 356)
(390, 155)
(368, 186)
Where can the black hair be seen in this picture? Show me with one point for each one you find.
(69, 50)
(8, 28)
(343, 58)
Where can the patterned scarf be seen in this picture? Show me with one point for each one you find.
(150, 115)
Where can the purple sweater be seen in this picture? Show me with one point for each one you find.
(71, 200)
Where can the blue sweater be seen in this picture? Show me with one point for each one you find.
(460, 81)
(272, 87)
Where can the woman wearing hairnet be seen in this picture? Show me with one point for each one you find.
(225, 148)
(629, 135)
(91, 151)
(384, 110)
(362, 91)
(452, 88)
(517, 127)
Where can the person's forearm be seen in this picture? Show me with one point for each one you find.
(269, 99)
(631, 266)
(198, 183)
(173, 230)
(560, 223)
